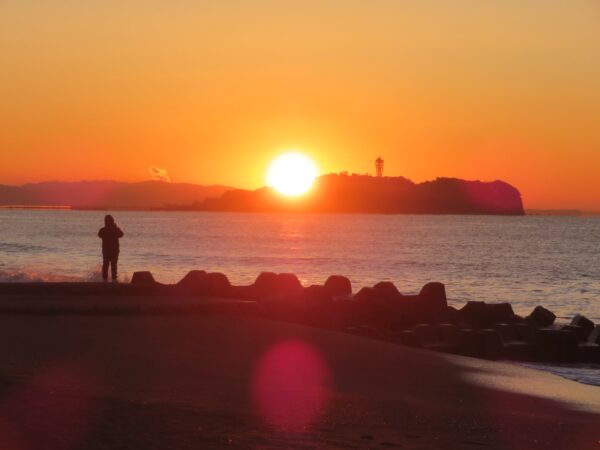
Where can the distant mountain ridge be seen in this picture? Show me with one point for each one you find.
(330, 193)
(380, 195)
(112, 194)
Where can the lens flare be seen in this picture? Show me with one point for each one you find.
(291, 386)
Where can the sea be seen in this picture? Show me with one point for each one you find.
(527, 261)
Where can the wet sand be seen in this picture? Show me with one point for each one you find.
(190, 381)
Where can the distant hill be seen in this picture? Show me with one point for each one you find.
(108, 194)
(385, 195)
(330, 193)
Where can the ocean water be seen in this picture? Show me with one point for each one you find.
(554, 261)
(527, 261)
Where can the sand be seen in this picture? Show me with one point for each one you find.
(206, 381)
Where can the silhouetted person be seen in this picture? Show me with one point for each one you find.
(110, 235)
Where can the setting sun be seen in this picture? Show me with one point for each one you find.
(292, 174)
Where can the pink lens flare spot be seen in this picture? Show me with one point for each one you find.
(291, 386)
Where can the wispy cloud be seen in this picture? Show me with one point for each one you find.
(159, 174)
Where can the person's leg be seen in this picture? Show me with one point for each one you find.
(105, 261)
(113, 266)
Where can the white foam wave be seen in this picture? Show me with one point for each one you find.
(582, 373)
(25, 276)
(31, 275)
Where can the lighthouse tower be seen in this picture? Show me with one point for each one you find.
(379, 167)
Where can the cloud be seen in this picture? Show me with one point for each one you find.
(159, 174)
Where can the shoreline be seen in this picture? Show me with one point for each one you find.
(582, 373)
(148, 298)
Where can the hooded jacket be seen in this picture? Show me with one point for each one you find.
(110, 235)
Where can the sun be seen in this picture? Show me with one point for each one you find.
(292, 173)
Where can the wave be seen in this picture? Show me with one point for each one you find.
(9, 247)
(31, 275)
(582, 373)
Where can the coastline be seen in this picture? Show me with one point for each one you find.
(135, 302)
(426, 320)
(581, 373)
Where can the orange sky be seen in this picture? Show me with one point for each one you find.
(212, 90)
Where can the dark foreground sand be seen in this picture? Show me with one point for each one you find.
(199, 382)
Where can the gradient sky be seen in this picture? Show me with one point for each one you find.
(211, 91)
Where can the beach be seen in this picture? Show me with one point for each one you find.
(211, 377)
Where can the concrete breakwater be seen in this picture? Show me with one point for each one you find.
(424, 320)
